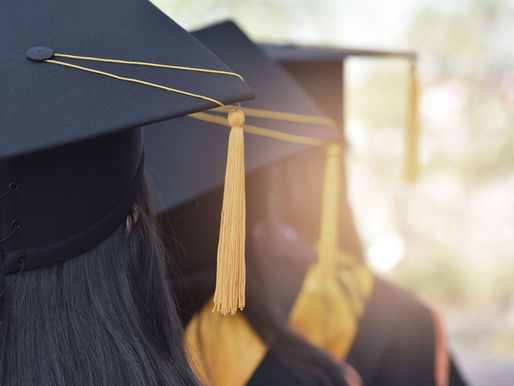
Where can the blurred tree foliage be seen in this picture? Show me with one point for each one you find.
(473, 44)
(466, 52)
(469, 44)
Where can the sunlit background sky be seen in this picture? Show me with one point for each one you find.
(450, 237)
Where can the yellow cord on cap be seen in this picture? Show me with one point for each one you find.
(282, 116)
(231, 269)
(262, 132)
(150, 65)
(136, 81)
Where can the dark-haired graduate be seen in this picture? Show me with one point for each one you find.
(252, 347)
(85, 297)
(397, 340)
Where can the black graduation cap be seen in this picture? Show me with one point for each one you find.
(204, 153)
(320, 70)
(281, 109)
(70, 149)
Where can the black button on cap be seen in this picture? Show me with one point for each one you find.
(39, 54)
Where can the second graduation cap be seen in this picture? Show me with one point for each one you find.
(78, 79)
(280, 106)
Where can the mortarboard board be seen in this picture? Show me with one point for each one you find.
(276, 90)
(280, 105)
(320, 70)
(71, 150)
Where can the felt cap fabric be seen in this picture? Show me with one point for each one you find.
(71, 155)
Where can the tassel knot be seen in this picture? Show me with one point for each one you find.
(236, 118)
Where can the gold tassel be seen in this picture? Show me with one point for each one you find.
(412, 130)
(328, 246)
(231, 270)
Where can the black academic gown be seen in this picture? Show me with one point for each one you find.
(394, 344)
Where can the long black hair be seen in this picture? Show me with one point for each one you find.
(273, 279)
(107, 317)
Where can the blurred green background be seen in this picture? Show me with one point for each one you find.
(450, 237)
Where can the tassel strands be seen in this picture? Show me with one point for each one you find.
(328, 246)
(412, 130)
(231, 270)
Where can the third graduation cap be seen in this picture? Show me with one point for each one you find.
(281, 110)
(78, 79)
(320, 70)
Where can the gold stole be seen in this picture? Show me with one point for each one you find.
(226, 351)
(327, 311)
